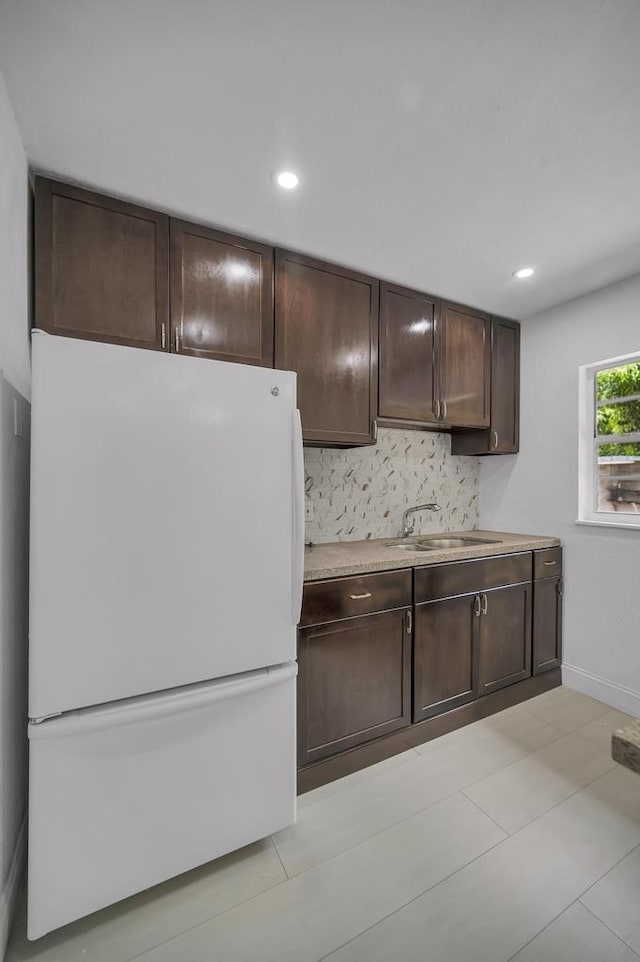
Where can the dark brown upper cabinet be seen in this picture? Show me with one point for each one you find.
(408, 360)
(503, 434)
(327, 332)
(102, 267)
(221, 295)
(465, 366)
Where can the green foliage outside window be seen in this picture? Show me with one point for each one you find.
(622, 417)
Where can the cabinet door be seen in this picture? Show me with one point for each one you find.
(504, 648)
(407, 361)
(547, 624)
(444, 662)
(353, 682)
(221, 295)
(326, 331)
(465, 358)
(503, 434)
(505, 386)
(101, 267)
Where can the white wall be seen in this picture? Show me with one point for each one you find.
(14, 497)
(537, 490)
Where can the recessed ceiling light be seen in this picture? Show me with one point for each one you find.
(286, 179)
(523, 272)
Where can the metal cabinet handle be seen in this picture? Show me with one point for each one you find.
(366, 594)
(476, 606)
(177, 340)
(495, 439)
(485, 603)
(548, 564)
(163, 336)
(409, 622)
(375, 430)
(437, 406)
(444, 410)
(560, 586)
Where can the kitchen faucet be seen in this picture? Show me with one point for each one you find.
(409, 523)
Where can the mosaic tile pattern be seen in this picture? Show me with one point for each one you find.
(361, 493)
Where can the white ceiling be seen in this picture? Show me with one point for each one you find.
(441, 143)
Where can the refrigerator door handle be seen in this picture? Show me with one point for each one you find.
(298, 517)
(161, 707)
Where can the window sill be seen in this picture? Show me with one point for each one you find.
(629, 526)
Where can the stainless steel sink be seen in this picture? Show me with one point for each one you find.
(435, 544)
(432, 544)
(408, 546)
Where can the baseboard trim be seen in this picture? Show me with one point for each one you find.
(9, 894)
(624, 699)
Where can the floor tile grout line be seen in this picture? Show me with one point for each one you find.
(451, 874)
(543, 929)
(381, 831)
(486, 814)
(273, 842)
(602, 921)
(599, 879)
(190, 928)
(459, 791)
(291, 878)
(429, 888)
(546, 811)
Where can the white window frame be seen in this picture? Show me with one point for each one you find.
(588, 449)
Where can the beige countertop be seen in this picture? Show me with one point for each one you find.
(625, 746)
(337, 558)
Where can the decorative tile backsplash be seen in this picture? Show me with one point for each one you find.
(358, 493)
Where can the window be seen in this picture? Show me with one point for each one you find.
(610, 442)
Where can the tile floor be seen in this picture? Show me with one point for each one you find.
(515, 838)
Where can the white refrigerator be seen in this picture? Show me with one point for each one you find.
(167, 540)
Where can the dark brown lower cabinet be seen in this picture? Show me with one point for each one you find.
(504, 641)
(547, 624)
(444, 662)
(354, 682)
(479, 626)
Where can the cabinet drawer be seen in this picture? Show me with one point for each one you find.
(461, 577)
(338, 598)
(547, 563)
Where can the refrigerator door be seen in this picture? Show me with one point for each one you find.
(127, 796)
(166, 541)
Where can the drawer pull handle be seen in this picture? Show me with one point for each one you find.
(548, 564)
(485, 603)
(366, 594)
